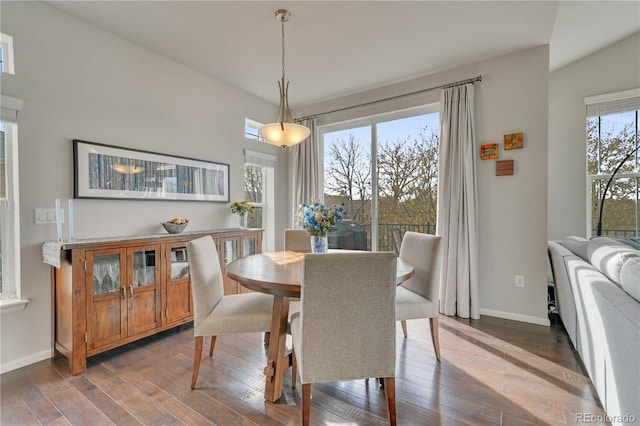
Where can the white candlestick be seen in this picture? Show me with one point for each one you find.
(59, 219)
(70, 220)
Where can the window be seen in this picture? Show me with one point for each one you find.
(259, 188)
(612, 136)
(6, 53)
(384, 169)
(9, 197)
(251, 130)
(9, 214)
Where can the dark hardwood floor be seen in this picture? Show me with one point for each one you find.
(493, 372)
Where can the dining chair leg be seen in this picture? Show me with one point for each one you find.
(197, 356)
(294, 369)
(404, 327)
(306, 403)
(433, 323)
(390, 392)
(213, 344)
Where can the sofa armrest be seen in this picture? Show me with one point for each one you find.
(565, 301)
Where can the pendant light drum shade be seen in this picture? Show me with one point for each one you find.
(284, 132)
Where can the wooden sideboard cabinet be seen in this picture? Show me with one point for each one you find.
(112, 291)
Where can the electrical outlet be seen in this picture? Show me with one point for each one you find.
(519, 280)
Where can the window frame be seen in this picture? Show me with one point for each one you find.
(267, 163)
(252, 124)
(601, 106)
(6, 42)
(10, 223)
(10, 220)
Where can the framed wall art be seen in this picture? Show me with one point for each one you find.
(488, 151)
(105, 171)
(504, 167)
(513, 141)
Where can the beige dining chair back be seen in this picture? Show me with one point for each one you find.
(297, 240)
(418, 296)
(214, 313)
(345, 329)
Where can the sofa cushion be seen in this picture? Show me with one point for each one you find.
(577, 245)
(630, 277)
(608, 255)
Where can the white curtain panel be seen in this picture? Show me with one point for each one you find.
(306, 170)
(457, 209)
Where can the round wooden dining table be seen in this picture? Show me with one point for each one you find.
(280, 274)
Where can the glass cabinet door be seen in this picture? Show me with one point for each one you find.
(230, 250)
(144, 268)
(106, 274)
(179, 263)
(179, 306)
(106, 299)
(248, 246)
(143, 290)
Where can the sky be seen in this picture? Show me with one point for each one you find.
(388, 130)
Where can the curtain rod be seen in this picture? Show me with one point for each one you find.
(442, 86)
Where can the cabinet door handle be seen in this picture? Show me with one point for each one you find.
(124, 292)
(131, 290)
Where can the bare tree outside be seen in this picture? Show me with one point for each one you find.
(253, 183)
(253, 191)
(348, 178)
(407, 181)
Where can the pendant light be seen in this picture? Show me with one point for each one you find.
(284, 132)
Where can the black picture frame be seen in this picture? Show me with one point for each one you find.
(107, 171)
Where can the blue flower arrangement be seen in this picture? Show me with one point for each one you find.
(318, 220)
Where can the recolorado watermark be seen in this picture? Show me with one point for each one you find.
(603, 418)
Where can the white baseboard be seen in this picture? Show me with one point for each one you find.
(516, 317)
(22, 362)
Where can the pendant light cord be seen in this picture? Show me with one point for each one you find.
(282, 23)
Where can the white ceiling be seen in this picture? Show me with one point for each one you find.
(337, 48)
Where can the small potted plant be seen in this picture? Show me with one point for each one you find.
(242, 208)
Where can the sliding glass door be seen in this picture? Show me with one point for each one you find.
(384, 170)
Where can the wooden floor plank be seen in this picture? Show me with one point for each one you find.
(70, 402)
(128, 397)
(13, 408)
(493, 372)
(104, 402)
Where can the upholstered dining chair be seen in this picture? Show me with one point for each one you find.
(418, 296)
(345, 329)
(297, 240)
(214, 313)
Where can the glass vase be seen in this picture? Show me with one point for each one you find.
(242, 220)
(319, 244)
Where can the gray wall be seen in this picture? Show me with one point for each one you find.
(79, 82)
(613, 69)
(512, 97)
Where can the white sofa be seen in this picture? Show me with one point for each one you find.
(597, 286)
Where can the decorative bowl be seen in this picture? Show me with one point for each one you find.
(174, 228)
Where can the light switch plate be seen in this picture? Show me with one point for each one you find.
(46, 216)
